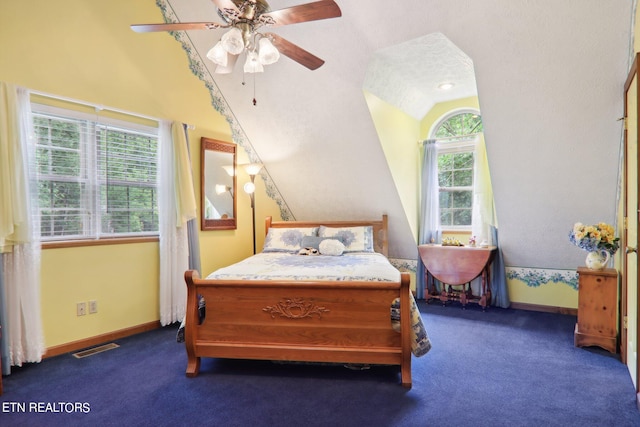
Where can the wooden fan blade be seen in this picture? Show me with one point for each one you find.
(323, 9)
(295, 52)
(180, 26)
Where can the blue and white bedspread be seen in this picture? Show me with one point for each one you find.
(363, 266)
(358, 266)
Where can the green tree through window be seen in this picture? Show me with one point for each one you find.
(94, 179)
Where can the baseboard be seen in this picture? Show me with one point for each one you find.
(544, 308)
(100, 339)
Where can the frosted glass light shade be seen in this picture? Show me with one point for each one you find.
(253, 65)
(249, 187)
(253, 168)
(218, 55)
(232, 41)
(231, 63)
(221, 188)
(267, 53)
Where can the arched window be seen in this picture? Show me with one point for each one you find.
(456, 137)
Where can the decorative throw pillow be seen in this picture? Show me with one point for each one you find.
(355, 239)
(331, 247)
(314, 241)
(286, 239)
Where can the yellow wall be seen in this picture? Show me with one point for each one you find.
(127, 295)
(85, 50)
(551, 294)
(398, 134)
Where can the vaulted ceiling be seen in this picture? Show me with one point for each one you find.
(549, 78)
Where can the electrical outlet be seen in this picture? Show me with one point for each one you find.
(81, 308)
(93, 306)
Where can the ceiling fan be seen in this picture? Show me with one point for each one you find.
(244, 18)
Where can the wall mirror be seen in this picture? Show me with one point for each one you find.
(217, 184)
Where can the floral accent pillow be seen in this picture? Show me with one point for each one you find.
(286, 239)
(355, 239)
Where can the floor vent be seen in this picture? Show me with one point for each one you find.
(95, 350)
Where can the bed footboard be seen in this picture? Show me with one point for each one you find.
(339, 322)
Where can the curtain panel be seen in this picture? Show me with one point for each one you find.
(485, 224)
(177, 205)
(192, 224)
(429, 207)
(22, 332)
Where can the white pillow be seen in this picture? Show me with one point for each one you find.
(331, 247)
(286, 239)
(355, 239)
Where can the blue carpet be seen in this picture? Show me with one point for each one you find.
(494, 368)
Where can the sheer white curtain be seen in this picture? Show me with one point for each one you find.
(429, 207)
(22, 333)
(177, 205)
(485, 224)
(484, 213)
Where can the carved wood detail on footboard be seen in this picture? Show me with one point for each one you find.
(295, 308)
(340, 322)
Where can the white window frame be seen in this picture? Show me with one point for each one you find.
(459, 145)
(91, 197)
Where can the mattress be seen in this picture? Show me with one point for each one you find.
(359, 266)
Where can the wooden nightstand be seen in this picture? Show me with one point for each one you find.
(597, 309)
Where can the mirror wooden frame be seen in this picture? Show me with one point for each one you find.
(214, 145)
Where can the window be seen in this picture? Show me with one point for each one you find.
(456, 138)
(95, 178)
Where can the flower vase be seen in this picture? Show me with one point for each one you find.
(597, 260)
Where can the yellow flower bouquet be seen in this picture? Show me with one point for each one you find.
(596, 237)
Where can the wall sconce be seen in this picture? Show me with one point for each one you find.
(252, 170)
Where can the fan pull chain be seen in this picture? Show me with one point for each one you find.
(255, 101)
(254, 90)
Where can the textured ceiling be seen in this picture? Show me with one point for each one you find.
(408, 75)
(549, 76)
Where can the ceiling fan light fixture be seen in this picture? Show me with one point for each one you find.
(242, 19)
(267, 53)
(232, 41)
(231, 63)
(218, 55)
(253, 65)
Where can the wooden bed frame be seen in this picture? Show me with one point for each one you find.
(307, 321)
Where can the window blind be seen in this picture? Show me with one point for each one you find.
(96, 177)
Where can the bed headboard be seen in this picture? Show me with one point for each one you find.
(380, 239)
